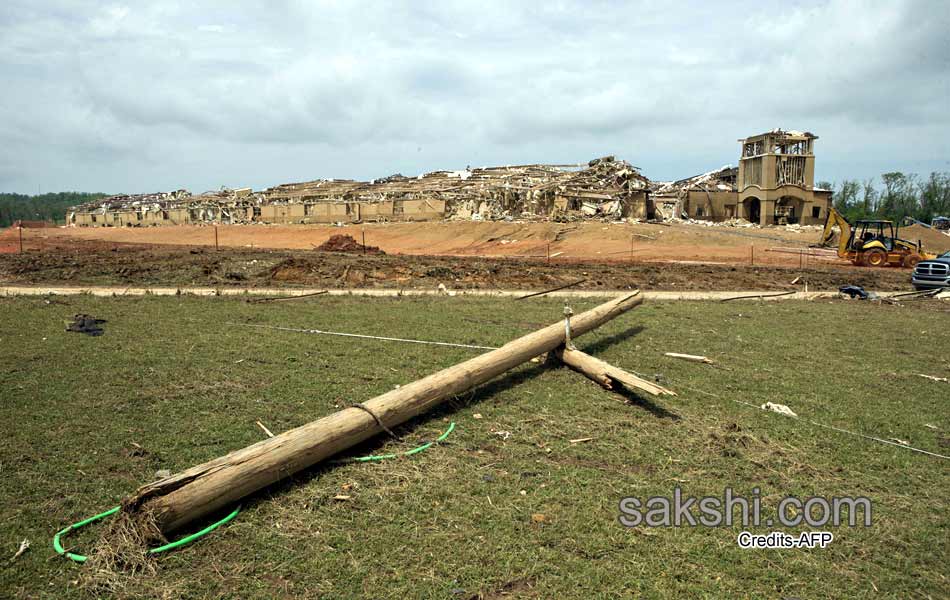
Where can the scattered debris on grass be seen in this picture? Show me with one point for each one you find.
(689, 357)
(265, 429)
(779, 408)
(856, 291)
(24, 546)
(86, 324)
(761, 296)
(282, 298)
(933, 378)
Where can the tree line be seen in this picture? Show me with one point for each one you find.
(43, 207)
(900, 195)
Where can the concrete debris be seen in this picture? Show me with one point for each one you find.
(778, 408)
(605, 188)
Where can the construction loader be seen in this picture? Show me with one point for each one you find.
(871, 243)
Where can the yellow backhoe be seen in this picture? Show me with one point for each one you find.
(872, 243)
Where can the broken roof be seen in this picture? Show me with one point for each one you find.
(790, 134)
(722, 179)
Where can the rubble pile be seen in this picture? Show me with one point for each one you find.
(605, 187)
(226, 205)
(669, 197)
(346, 243)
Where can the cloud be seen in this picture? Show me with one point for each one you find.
(161, 95)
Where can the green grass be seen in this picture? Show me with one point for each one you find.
(456, 521)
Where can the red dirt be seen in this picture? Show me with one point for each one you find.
(583, 241)
(460, 255)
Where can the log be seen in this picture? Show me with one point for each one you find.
(606, 374)
(175, 501)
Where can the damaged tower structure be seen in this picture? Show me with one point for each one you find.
(774, 184)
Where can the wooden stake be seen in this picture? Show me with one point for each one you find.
(363, 231)
(606, 374)
(693, 357)
(199, 491)
(215, 237)
(20, 228)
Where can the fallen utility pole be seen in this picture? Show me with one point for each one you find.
(606, 374)
(175, 501)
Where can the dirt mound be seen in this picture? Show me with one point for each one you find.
(933, 240)
(346, 243)
(291, 269)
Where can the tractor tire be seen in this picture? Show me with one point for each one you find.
(875, 257)
(910, 261)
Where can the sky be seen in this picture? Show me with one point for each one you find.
(155, 96)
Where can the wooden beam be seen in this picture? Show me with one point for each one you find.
(175, 501)
(606, 374)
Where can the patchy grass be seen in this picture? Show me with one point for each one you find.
(170, 384)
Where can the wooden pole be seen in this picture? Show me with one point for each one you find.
(752, 254)
(215, 237)
(20, 229)
(364, 241)
(181, 498)
(606, 374)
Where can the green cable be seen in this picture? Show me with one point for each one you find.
(58, 546)
(415, 450)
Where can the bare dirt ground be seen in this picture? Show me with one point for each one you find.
(58, 257)
(568, 241)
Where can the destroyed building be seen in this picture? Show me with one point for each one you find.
(604, 187)
(774, 184)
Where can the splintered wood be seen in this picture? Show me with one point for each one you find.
(607, 375)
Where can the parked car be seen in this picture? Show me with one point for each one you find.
(933, 273)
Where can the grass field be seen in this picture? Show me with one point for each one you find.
(170, 384)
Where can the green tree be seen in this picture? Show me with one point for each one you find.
(45, 207)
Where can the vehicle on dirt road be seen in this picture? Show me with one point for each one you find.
(872, 243)
(934, 273)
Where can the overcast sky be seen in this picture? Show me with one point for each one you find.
(153, 96)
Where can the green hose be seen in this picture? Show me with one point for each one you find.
(415, 450)
(58, 546)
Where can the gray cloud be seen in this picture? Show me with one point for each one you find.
(148, 96)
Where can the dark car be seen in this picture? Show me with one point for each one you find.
(930, 274)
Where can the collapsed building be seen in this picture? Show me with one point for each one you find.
(604, 187)
(773, 184)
